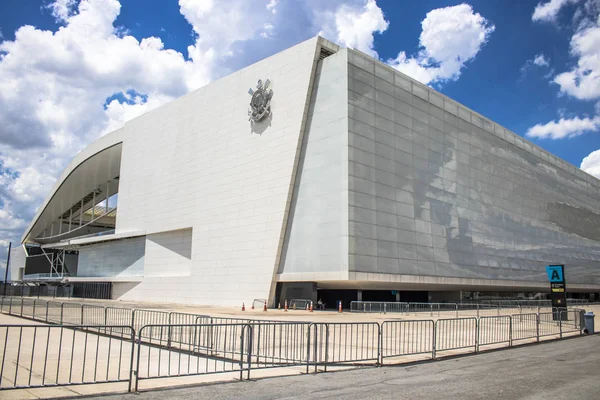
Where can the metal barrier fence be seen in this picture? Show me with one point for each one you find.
(472, 309)
(50, 355)
(172, 344)
(343, 343)
(455, 334)
(406, 338)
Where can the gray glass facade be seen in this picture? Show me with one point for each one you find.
(438, 190)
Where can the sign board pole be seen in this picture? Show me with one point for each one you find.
(558, 289)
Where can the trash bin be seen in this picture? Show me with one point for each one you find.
(588, 319)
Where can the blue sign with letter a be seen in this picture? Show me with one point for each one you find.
(555, 273)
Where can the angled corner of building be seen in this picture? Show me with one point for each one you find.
(356, 178)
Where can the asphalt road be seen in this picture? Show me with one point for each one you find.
(568, 369)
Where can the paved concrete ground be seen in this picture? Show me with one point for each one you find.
(556, 370)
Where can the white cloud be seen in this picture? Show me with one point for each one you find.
(450, 38)
(62, 9)
(272, 6)
(547, 12)
(540, 60)
(356, 26)
(591, 163)
(583, 81)
(564, 128)
(268, 30)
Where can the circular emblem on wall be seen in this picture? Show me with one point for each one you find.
(260, 103)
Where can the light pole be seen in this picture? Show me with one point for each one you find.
(6, 270)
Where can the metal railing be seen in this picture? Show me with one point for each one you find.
(351, 343)
(173, 344)
(57, 355)
(468, 309)
(407, 338)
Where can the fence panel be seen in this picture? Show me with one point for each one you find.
(455, 333)
(118, 316)
(404, 338)
(142, 318)
(524, 326)
(72, 313)
(39, 355)
(39, 309)
(54, 312)
(27, 307)
(159, 357)
(93, 315)
(186, 332)
(278, 344)
(548, 326)
(494, 330)
(344, 343)
(6, 305)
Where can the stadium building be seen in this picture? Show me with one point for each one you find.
(319, 172)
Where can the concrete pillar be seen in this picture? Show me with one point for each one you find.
(359, 295)
(398, 295)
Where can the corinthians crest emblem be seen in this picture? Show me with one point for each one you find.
(260, 103)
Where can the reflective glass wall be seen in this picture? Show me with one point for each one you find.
(436, 189)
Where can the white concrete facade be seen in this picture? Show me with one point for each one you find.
(217, 210)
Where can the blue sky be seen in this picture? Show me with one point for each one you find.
(73, 70)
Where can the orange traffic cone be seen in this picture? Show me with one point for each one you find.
(306, 306)
(311, 307)
(340, 307)
(253, 305)
(243, 307)
(265, 306)
(279, 306)
(286, 306)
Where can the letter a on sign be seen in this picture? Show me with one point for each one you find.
(555, 273)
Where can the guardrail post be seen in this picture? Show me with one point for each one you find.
(308, 347)
(258, 343)
(510, 329)
(33, 309)
(456, 310)
(537, 326)
(560, 317)
(385, 308)
(169, 330)
(431, 309)
(326, 347)
(250, 332)
(22, 306)
(133, 322)
(477, 335)
(378, 344)
(477, 310)
(434, 344)
(82, 314)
